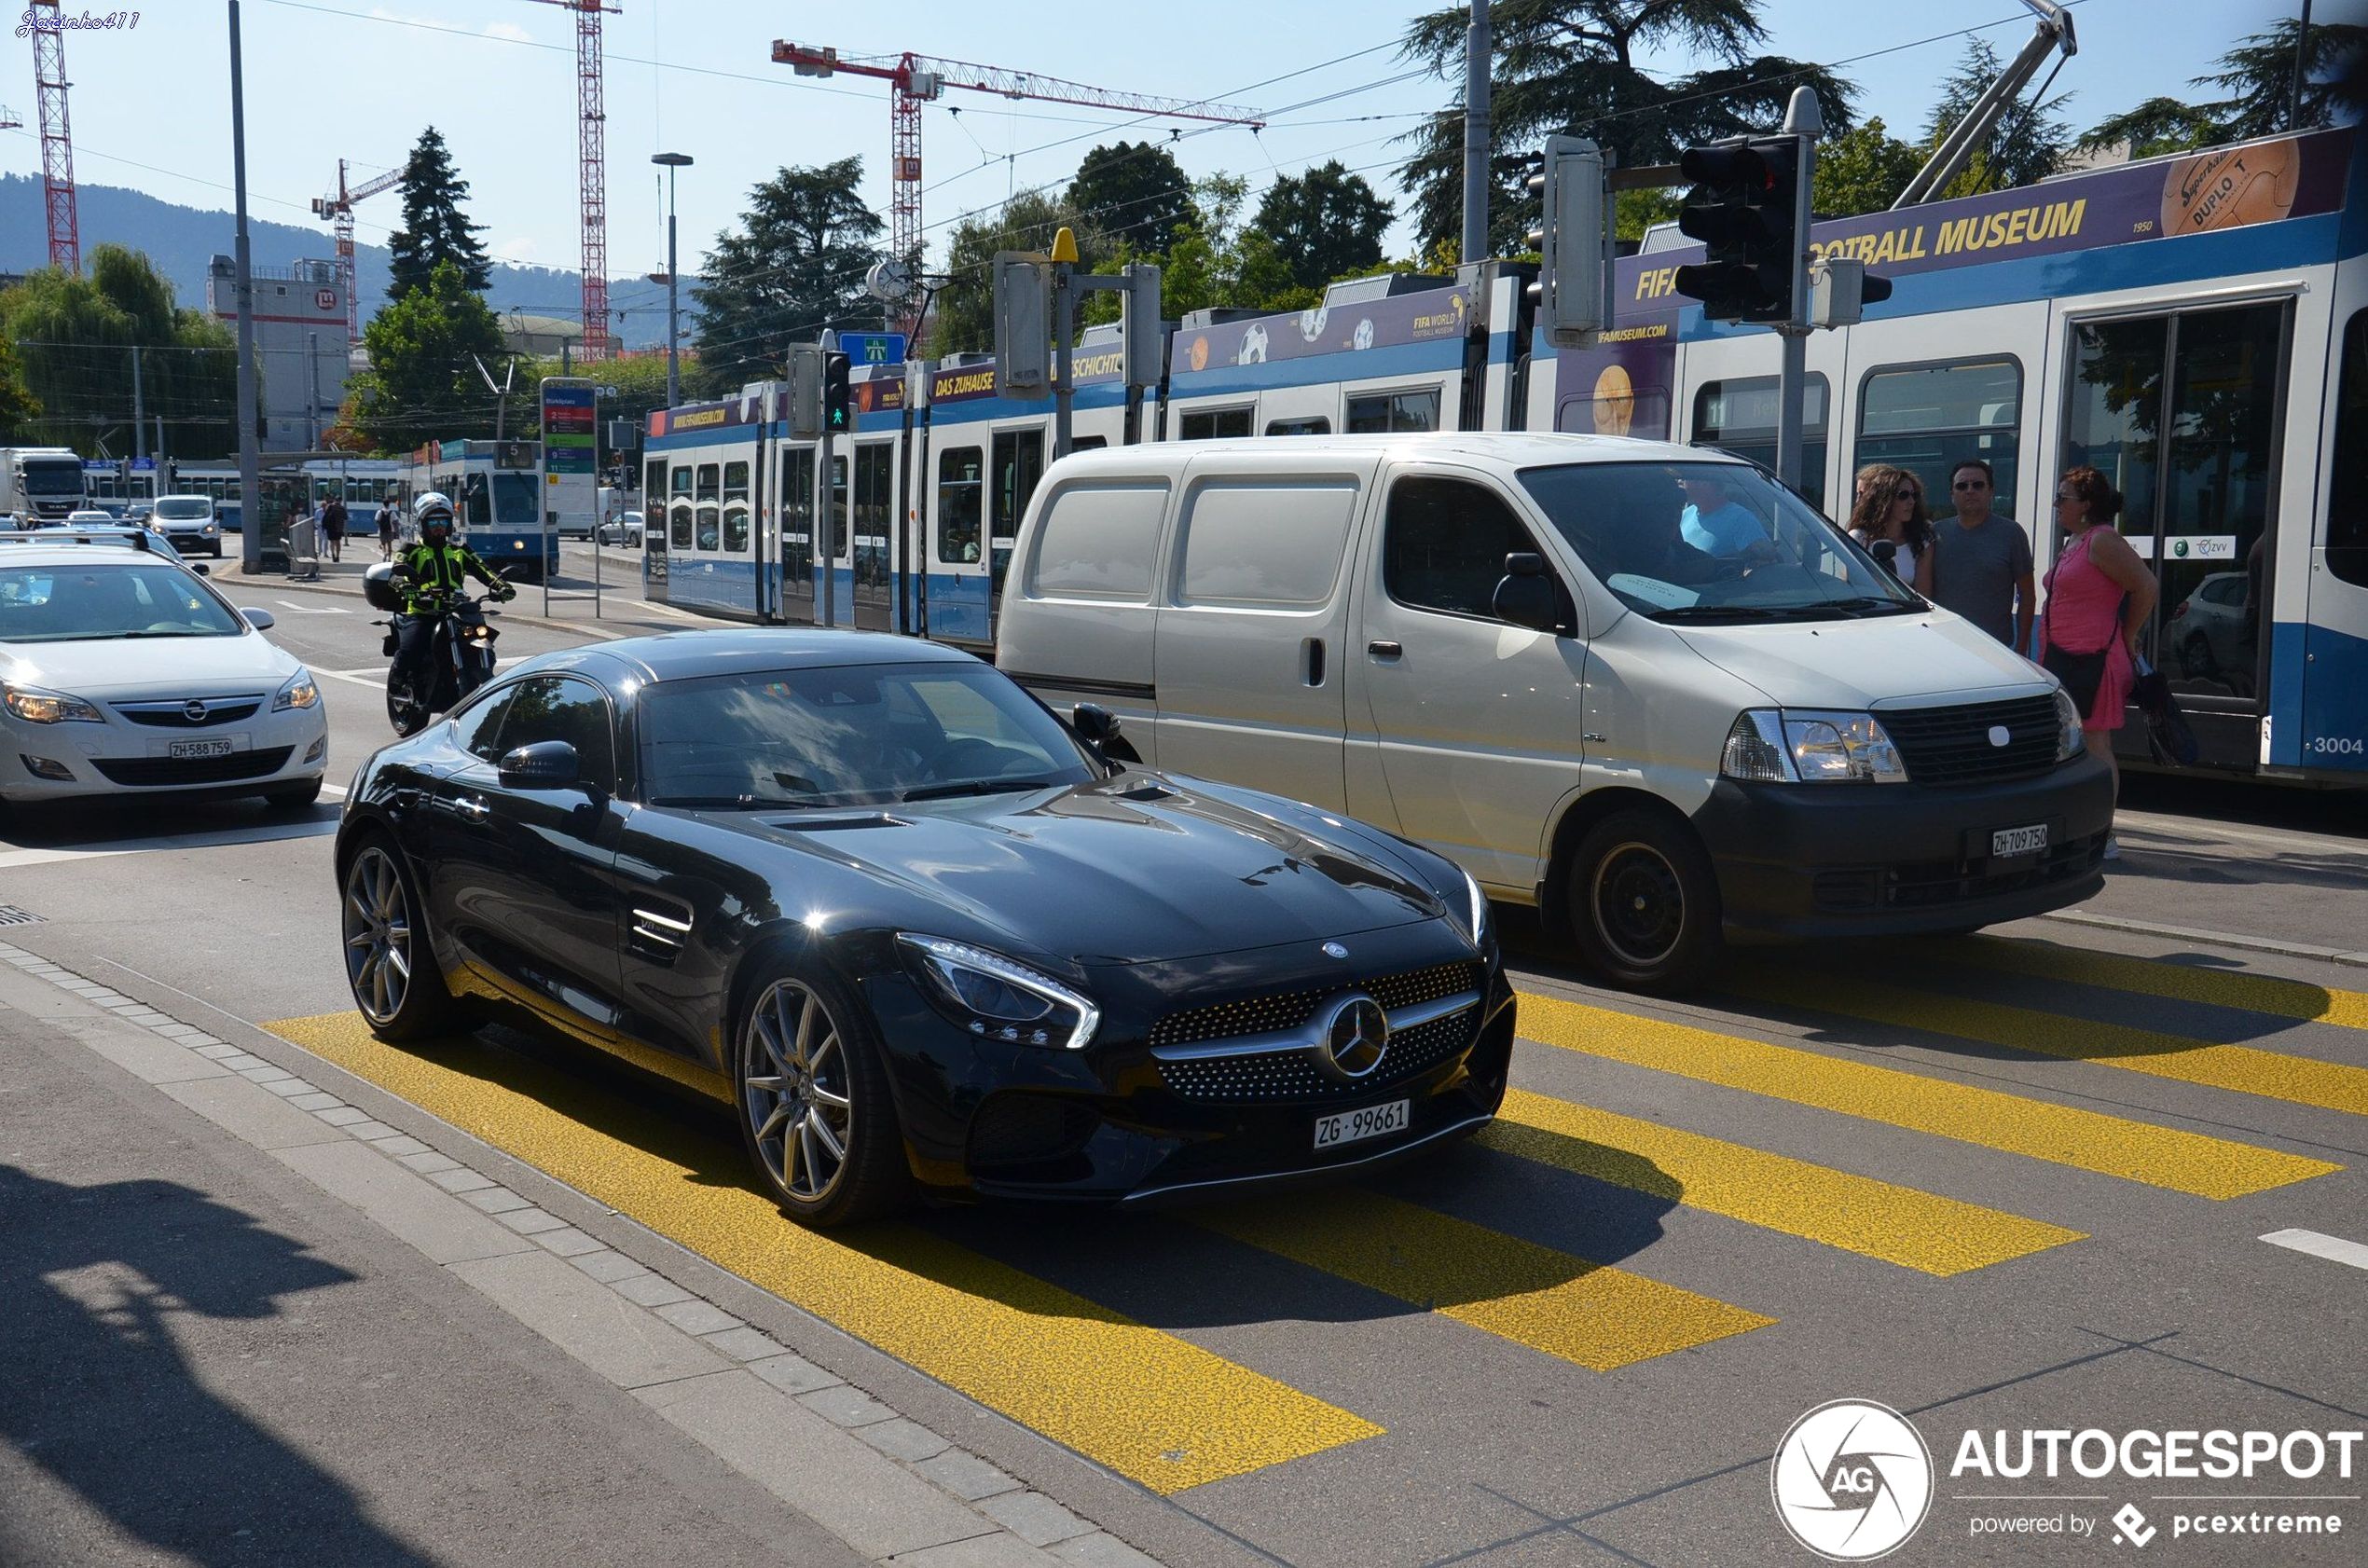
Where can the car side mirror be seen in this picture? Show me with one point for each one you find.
(261, 620)
(202, 569)
(1094, 724)
(1527, 594)
(546, 765)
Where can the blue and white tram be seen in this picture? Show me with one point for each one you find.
(496, 492)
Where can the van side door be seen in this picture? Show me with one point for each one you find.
(1253, 626)
(1478, 725)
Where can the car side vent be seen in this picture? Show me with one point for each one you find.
(802, 824)
(660, 928)
(1146, 791)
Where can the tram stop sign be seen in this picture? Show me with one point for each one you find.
(872, 348)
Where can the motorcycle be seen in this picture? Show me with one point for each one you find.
(460, 650)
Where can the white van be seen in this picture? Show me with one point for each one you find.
(1639, 685)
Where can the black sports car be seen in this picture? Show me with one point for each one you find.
(921, 933)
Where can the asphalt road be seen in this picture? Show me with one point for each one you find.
(2017, 1181)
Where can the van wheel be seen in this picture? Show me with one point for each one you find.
(1644, 902)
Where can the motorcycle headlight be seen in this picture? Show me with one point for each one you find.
(298, 693)
(2069, 739)
(996, 998)
(1812, 746)
(37, 707)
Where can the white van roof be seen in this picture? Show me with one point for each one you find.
(1505, 449)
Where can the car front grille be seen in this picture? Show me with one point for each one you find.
(1936, 884)
(1954, 744)
(181, 771)
(1291, 1009)
(174, 714)
(1268, 1077)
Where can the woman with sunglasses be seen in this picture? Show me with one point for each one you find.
(1891, 506)
(2098, 596)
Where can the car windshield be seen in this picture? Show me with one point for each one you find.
(105, 601)
(1711, 541)
(850, 735)
(183, 508)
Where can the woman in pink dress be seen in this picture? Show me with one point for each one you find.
(2098, 596)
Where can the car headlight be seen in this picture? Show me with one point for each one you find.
(2070, 741)
(37, 707)
(1475, 920)
(996, 998)
(298, 693)
(1810, 745)
(210, 527)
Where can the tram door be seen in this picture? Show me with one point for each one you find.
(797, 536)
(1016, 464)
(875, 523)
(2184, 413)
(654, 527)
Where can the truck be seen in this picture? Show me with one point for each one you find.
(41, 483)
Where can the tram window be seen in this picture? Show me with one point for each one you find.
(1927, 419)
(839, 507)
(1318, 425)
(1089, 443)
(1019, 463)
(960, 496)
(653, 501)
(514, 501)
(736, 509)
(476, 501)
(1739, 416)
(1381, 413)
(678, 527)
(2348, 478)
(708, 481)
(1214, 424)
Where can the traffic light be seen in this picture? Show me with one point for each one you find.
(1743, 208)
(1569, 240)
(1838, 289)
(838, 408)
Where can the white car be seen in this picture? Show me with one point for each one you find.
(189, 522)
(123, 673)
(622, 531)
(91, 516)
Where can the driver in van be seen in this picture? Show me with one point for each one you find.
(1647, 508)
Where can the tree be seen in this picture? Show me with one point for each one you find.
(434, 229)
(18, 408)
(74, 339)
(1571, 66)
(422, 383)
(795, 267)
(1861, 171)
(1323, 224)
(966, 305)
(2028, 142)
(2258, 77)
(1135, 192)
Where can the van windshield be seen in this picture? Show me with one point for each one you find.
(1711, 541)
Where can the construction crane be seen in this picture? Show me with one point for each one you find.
(57, 145)
(592, 172)
(10, 118)
(916, 80)
(338, 208)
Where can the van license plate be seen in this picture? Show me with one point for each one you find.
(203, 749)
(1349, 1126)
(2018, 841)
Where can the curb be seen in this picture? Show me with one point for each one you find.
(549, 623)
(2218, 939)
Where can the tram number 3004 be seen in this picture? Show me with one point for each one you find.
(2336, 746)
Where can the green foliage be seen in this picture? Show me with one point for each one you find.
(1134, 192)
(18, 408)
(1573, 65)
(1323, 224)
(435, 229)
(2257, 74)
(70, 338)
(422, 384)
(965, 312)
(2029, 142)
(795, 267)
(1861, 171)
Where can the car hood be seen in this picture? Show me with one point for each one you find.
(1132, 870)
(151, 667)
(1894, 661)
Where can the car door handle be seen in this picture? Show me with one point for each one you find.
(473, 809)
(1383, 648)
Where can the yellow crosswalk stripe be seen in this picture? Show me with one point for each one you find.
(1920, 1230)
(1600, 1317)
(2243, 1068)
(2163, 1156)
(2151, 977)
(1152, 1407)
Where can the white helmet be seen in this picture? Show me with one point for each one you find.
(432, 508)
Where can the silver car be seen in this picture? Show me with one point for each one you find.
(189, 522)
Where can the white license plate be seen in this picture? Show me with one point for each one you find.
(202, 748)
(2018, 841)
(1350, 1126)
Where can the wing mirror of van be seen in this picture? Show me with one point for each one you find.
(1527, 594)
(1094, 724)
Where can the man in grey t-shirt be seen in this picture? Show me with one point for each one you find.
(1981, 563)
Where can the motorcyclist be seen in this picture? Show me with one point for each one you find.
(431, 574)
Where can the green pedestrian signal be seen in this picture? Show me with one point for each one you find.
(838, 412)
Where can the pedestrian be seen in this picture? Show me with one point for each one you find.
(333, 520)
(1891, 506)
(386, 530)
(1982, 567)
(2098, 596)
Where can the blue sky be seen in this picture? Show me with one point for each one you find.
(331, 78)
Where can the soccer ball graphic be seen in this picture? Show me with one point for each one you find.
(1364, 335)
(1253, 345)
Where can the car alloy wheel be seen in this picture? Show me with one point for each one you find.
(1640, 904)
(378, 935)
(796, 1091)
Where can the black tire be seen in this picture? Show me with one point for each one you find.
(403, 998)
(1644, 902)
(784, 1091)
(294, 797)
(407, 716)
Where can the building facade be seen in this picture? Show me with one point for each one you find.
(299, 346)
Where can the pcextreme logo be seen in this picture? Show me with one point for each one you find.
(1851, 1481)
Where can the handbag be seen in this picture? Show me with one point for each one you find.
(2168, 737)
(2081, 673)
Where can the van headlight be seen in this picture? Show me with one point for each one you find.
(1810, 745)
(300, 692)
(37, 707)
(996, 998)
(2070, 741)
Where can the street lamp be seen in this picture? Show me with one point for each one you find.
(670, 162)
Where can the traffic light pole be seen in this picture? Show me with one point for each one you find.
(1803, 121)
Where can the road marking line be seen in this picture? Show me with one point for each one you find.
(1601, 1317)
(2085, 1141)
(1915, 1229)
(295, 609)
(2334, 1248)
(2243, 1069)
(2153, 977)
(375, 679)
(1154, 1408)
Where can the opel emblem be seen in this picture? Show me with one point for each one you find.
(194, 710)
(1999, 735)
(1334, 950)
(1355, 1038)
